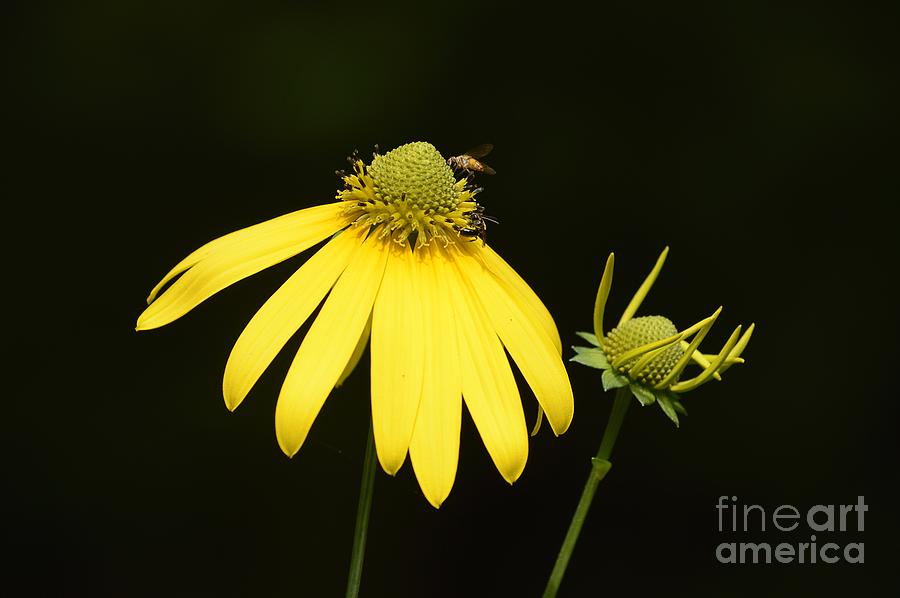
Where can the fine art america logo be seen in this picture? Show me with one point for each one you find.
(792, 523)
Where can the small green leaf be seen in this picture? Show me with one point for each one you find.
(613, 380)
(601, 467)
(665, 403)
(589, 337)
(644, 395)
(590, 357)
(676, 403)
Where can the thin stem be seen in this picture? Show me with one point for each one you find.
(366, 488)
(598, 471)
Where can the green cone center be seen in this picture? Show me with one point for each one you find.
(638, 332)
(417, 173)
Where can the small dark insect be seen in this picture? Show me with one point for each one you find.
(477, 228)
(469, 161)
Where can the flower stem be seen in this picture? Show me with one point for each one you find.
(599, 467)
(366, 489)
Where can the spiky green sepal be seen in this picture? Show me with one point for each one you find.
(594, 357)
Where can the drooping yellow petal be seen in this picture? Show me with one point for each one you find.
(645, 287)
(488, 386)
(527, 343)
(295, 221)
(398, 357)
(224, 262)
(523, 293)
(280, 317)
(434, 448)
(328, 346)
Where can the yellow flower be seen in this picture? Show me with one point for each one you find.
(648, 354)
(403, 264)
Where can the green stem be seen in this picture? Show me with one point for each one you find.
(366, 488)
(599, 467)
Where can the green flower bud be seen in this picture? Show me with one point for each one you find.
(638, 332)
(648, 354)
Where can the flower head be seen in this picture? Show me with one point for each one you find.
(649, 355)
(398, 268)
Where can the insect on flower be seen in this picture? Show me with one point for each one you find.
(477, 224)
(470, 162)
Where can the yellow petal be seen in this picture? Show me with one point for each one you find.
(735, 355)
(651, 351)
(603, 295)
(398, 357)
(527, 343)
(488, 386)
(689, 351)
(275, 226)
(328, 346)
(700, 359)
(229, 259)
(706, 374)
(646, 348)
(519, 289)
(537, 420)
(361, 345)
(645, 287)
(434, 448)
(280, 317)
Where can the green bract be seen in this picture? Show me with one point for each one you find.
(648, 354)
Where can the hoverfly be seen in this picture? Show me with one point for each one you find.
(469, 161)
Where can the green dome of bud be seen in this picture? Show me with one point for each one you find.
(417, 172)
(641, 331)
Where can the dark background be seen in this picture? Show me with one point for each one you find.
(757, 139)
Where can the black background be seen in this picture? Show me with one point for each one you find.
(754, 138)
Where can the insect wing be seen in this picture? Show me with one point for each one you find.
(480, 151)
